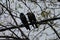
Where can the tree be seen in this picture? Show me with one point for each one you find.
(47, 15)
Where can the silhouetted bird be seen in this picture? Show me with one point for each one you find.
(32, 19)
(24, 20)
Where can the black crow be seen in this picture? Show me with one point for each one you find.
(24, 20)
(32, 19)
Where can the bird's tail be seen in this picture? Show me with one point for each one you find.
(36, 25)
(28, 28)
(33, 26)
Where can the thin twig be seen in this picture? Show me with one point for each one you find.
(14, 20)
(26, 5)
(9, 37)
(37, 4)
(10, 30)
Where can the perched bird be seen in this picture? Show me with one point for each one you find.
(32, 19)
(24, 20)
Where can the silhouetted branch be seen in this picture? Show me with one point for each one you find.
(54, 30)
(9, 37)
(15, 38)
(40, 22)
(50, 19)
(14, 20)
(39, 33)
(37, 4)
(26, 5)
(9, 30)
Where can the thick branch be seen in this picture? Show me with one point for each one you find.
(40, 22)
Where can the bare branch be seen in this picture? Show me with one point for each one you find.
(54, 30)
(26, 5)
(11, 37)
(9, 30)
(40, 22)
(37, 4)
(14, 20)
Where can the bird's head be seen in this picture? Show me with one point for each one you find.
(28, 13)
(21, 13)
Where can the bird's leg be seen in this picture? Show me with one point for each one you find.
(33, 25)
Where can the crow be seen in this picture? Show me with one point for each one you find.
(24, 20)
(32, 19)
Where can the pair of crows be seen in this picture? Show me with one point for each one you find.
(31, 18)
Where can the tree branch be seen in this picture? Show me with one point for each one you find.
(40, 22)
(14, 20)
(54, 30)
(12, 37)
(9, 30)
